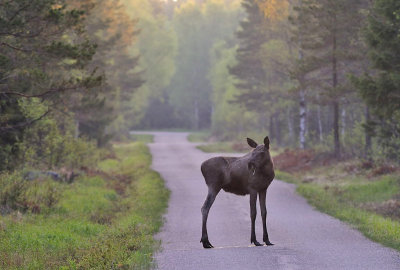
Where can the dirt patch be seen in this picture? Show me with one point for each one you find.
(118, 182)
(383, 169)
(240, 147)
(390, 208)
(294, 160)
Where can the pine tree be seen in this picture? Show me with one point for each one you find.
(43, 55)
(381, 88)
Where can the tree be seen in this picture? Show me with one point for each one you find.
(157, 47)
(327, 32)
(198, 26)
(43, 60)
(380, 88)
(249, 69)
(107, 111)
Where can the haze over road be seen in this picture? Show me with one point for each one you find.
(304, 238)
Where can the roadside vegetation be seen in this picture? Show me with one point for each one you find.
(362, 193)
(104, 219)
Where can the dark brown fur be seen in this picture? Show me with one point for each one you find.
(251, 174)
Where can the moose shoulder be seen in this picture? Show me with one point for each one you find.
(251, 174)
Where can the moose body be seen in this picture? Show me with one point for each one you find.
(251, 174)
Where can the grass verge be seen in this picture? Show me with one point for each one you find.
(199, 136)
(376, 227)
(102, 221)
(369, 204)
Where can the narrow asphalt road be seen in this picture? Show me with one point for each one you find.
(304, 238)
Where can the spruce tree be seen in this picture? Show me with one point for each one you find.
(249, 69)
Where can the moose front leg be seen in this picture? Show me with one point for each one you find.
(263, 208)
(253, 214)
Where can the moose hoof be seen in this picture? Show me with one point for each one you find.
(255, 242)
(268, 243)
(206, 244)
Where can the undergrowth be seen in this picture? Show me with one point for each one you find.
(103, 220)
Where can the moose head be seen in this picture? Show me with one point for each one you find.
(260, 156)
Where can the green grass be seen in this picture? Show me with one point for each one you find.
(370, 191)
(284, 176)
(349, 197)
(145, 138)
(92, 226)
(378, 228)
(200, 136)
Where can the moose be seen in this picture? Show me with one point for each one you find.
(251, 174)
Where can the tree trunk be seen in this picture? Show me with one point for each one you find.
(319, 123)
(76, 129)
(290, 126)
(196, 115)
(303, 114)
(336, 137)
(271, 127)
(336, 128)
(277, 129)
(343, 124)
(302, 102)
(367, 135)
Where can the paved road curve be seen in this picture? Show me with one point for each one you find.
(303, 237)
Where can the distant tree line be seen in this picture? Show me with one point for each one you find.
(320, 74)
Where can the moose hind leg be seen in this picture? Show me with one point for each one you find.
(262, 195)
(212, 194)
(253, 214)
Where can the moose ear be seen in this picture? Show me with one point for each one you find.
(266, 142)
(251, 143)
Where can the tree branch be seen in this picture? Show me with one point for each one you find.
(24, 124)
(49, 91)
(15, 48)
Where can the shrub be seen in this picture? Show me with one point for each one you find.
(18, 194)
(12, 190)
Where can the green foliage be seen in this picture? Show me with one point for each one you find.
(45, 146)
(198, 26)
(45, 58)
(12, 189)
(380, 88)
(157, 46)
(19, 194)
(229, 120)
(249, 68)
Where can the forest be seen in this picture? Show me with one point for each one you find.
(77, 76)
(309, 73)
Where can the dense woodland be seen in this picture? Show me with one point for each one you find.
(76, 74)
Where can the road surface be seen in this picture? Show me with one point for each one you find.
(304, 238)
